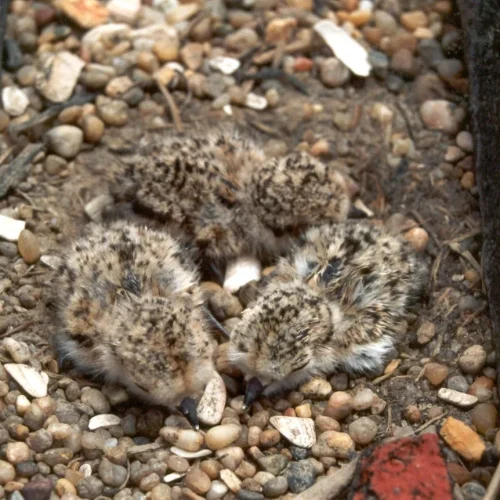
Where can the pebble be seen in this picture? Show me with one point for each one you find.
(197, 481)
(89, 487)
(299, 431)
(339, 406)
(453, 154)
(363, 400)
(29, 248)
(473, 360)
(63, 71)
(280, 29)
(473, 491)
(113, 112)
(54, 164)
(166, 50)
(457, 398)
(385, 22)
(19, 351)
(65, 140)
(340, 442)
(431, 52)
(217, 490)
(40, 440)
(363, 430)
(300, 476)
(15, 101)
(273, 463)
(333, 73)
(442, 115)
(412, 414)
(17, 452)
(458, 383)
(418, 239)
(275, 487)
(224, 305)
(426, 332)
(7, 472)
(93, 129)
(316, 388)
(436, 373)
(404, 64)
(414, 19)
(88, 14)
(465, 141)
(242, 39)
(104, 420)
(183, 438)
(222, 436)
(96, 400)
(231, 480)
(484, 416)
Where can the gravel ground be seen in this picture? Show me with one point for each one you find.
(401, 134)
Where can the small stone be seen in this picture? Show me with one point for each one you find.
(190, 454)
(54, 164)
(442, 115)
(40, 440)
(56, 456)
(363, 400)
(385, 22)
(339, 406)
(231, 480)
(113, 112)
(333, 73)
(192, 55)
(7, 472)
(325, 423)
(404, 63)
(436, 373)
(197, 481)
(276, 487)
(89, 487)
(105, 420)
(224, 305)
(29, 248)
(183, 438)
(484, 417)
(65, 140)
(241, 40)
(473, 491)
(166, 50)
(462, 439)
(149, 482)
(426, 332)
(340, 443)
(457, 398)
(112, 474)
(222, 436)
(459, 473)
(468, 180)
(93, 129)
(300, 476)
(273, 463)
(226, 65)
(458, 383)
(19, 351)
(85, 13)
(14, 100)
(473, 360)
(96, 400)
(217, 490)
(465, 141)
(95, 208)
(414, 19)
(269, 438)
(280, 29)
(412, 414)
(126, 10)
(17, 452)
(299, 431)
(316, 388)
(182, 12)
(60, 75)
(363, 430)
(418, 238)
(162, 492)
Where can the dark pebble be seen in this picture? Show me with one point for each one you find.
(89, 487)
(13, 57)
(379, 62)
(38, 489)
(430, 51)
(27, 469)
(394, 83)
(452, 43)
(133, 96)
(300, 476)
(273, 463)
(299, 453)
(473, 491)
(8, 249)
(249, 495)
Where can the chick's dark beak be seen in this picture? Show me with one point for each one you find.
(356, 213)
(254, 390)
(188, 409)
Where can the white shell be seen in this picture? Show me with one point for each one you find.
(299, 431)
(10, 229)
(51, 261)
(228, 109)
(86, 470)
(240, 272)
(345, 48)
(255, 101)
(105, 420)
(460, 399)
(141, 448)
(212, 403)
(174, 476)
(190, 454)
(31, 380)
(226, 65)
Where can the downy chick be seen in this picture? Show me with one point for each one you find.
(231, 200)
(335, 302)
(129, 310)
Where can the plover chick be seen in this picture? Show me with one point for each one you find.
(336, 302)
(129, 310)
(231, 200)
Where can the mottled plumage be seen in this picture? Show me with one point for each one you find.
(336, 301)
(129, 309)
(228, 197)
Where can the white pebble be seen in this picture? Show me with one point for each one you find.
(460, 399)
(299, 431)
(212, 403)
(104, 420)
(10, 229)
(240, 272)
(190, 454)
(31, 380)
(226, 65)
(14, 100)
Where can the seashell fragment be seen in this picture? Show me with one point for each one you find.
(34, 382)
(105, 420)
(212, 403)
(299, 431)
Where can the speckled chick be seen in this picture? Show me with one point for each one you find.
(129, 310)
(336, 302)
(231, 200)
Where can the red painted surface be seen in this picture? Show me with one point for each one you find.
(407, 469)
